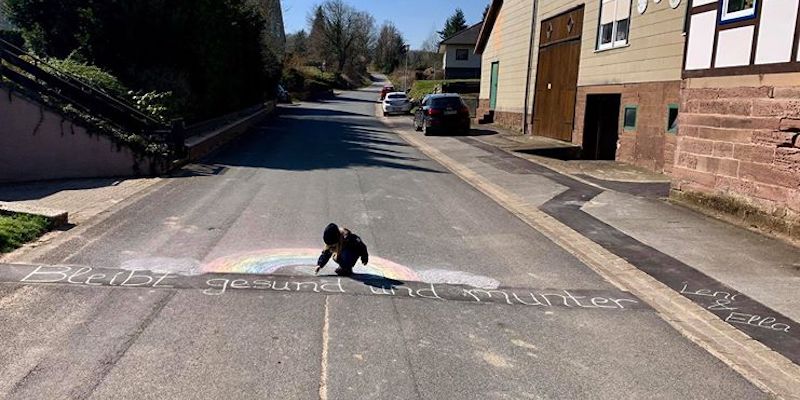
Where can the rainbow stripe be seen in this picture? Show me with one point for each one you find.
(272, 260)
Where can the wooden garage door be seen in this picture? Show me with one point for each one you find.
(557, 75)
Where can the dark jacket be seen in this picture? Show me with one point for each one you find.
(349, 243)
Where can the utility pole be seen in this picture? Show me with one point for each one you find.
(405, 84)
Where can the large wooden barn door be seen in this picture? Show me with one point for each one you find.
(557, 75)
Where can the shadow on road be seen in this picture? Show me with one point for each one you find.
(41, 189)
(377, 281)
(311, 138)
(354, 99)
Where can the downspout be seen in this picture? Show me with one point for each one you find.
(528, 70)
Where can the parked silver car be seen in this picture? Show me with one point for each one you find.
(396, 103)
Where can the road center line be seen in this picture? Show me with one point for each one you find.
(323, 371)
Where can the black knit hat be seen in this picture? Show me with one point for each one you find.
(331, 234)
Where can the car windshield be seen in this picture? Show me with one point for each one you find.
(397, 96)
(446, 102)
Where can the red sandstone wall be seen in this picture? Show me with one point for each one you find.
(741, 142)
(508, 120)
(650, 146)
(38, 144)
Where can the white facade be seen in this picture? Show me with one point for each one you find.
(759, 36)
(450, 59)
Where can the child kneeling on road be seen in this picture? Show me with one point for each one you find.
(345, 247)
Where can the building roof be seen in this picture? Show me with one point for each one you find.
(488, 24)
(467, 36)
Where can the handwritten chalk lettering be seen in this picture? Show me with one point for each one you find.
(167, 275)
(95, 276)
(219, 286)
(81, 271)
(566, 299)
(383, 291)
(428, 292)
(488, 293)
(533, 302)
(722, 305)
(136, 278)
(708, 293)
(261, 284)
(332, 287)
(87, 276)
(300, 285)
(54, 274)
(757, 321)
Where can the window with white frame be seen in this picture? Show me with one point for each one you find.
(615, 18)
(734, 10)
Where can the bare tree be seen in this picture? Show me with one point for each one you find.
(390, 48)
(431, 56)
(342, 34)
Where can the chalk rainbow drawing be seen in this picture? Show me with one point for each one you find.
(271, 261)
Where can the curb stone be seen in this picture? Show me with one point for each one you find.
(55, 218)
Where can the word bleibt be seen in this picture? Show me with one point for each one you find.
(85, 276)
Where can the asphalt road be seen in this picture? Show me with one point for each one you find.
(262, 203)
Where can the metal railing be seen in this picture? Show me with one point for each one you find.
(43, 79)
(37, 75)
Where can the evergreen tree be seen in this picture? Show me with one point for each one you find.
(454, 24)
(297, 44)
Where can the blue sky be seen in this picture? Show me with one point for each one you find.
(415, 19)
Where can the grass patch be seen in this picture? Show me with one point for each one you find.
(421, 88)
(18, 229)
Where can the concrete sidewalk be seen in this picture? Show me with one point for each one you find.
(82, 199)
(742, 284)
(632, 201)
(761, 267)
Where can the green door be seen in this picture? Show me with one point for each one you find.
(493, 85)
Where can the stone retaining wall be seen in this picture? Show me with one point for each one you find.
(36, 143)
(741, 142)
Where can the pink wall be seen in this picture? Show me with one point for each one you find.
(37, 144)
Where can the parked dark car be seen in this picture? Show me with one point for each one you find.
(444, 112)
(386, 90)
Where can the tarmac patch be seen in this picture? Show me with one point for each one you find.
(357, 284)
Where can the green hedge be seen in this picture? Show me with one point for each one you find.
(92, 75)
